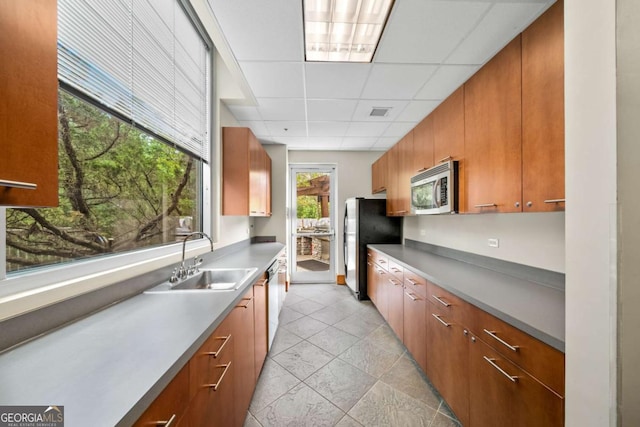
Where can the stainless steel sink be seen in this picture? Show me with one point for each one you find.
(209, 279)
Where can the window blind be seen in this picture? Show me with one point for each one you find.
(144, 60)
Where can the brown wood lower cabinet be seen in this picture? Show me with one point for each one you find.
(215, 387)
(489, 372)
(212, 377)
(244, 355)
(414, 326)
(447, 360)
(501, 394)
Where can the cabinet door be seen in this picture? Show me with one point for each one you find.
(501, 394)
(235, 171)
(423, 145)
(447, 361)
(493, 134)
(405, 172)
(393, 197)
(379, 175)
(244, 354)
(372, 280)
(29, 102)
(395, 297)
(543, 112)
(415, 326)
(448, 137)
(255, 177)
(261, 334)
(267, 184)
(382, 300)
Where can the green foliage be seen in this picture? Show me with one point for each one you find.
(120, 189)
(308, 207)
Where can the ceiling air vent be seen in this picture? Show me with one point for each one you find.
(379, 111)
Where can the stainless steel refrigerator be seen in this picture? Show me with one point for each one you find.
(365, 222)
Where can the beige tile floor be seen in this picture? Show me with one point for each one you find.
(335, 362)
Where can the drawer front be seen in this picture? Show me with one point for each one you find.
(207, 363)
(446, 302)
(396, 269)
(379, 259)
(537, 358)
(415, 283)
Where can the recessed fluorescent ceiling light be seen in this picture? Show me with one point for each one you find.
(344, 30)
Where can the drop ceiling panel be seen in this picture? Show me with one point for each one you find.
(335, 80)
(262, 30)
(274, 79)
(385, 143)
(443, 25)
(364, 129)
(396, 81)
(499, 26)
(415, 111)
(327, 129)
(327, 109)
(364, 107)
(354, 143)
(446, 80)
(244, 112)
(399, 129)
(287, 128)
(324, 143)
(281, 108)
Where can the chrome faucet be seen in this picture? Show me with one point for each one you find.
(183, 271)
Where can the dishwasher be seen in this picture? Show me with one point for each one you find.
(273, 298)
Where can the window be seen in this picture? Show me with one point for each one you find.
(120, 189)
(134, 110)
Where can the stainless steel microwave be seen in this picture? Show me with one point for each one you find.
(435, 191)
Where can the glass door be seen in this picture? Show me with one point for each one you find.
(312, 224)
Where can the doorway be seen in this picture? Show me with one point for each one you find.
(312, 223)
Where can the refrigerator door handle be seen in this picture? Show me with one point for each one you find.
(344, 242)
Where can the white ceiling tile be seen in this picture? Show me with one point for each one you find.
(417, 110)
(396, 81)
(323, 143)
(281, 109)
(364, 129)
(446, 80)
(399, 129)
(259, 30)
(244, 113)
(385, 143)
(287, 128)
(274, 79)
(325, 109)
(422, 31)
(354, 143)
(328, 129)
(364, 107)
(335, 80)
(257, 127)
(290, 141)
(499, 26)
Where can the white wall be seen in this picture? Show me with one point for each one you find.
(628, 81)
(590, 117)
(535, 239)
(353, 169)
(276, 225)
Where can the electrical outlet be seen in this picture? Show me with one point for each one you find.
(423, 232)
(494, 243)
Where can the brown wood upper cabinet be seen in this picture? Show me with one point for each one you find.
(543, 112)
(423, 145)
(493, 132)
(29, 103)
(246, 174)
(448, 137)
(399, 173)
(379, 174)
